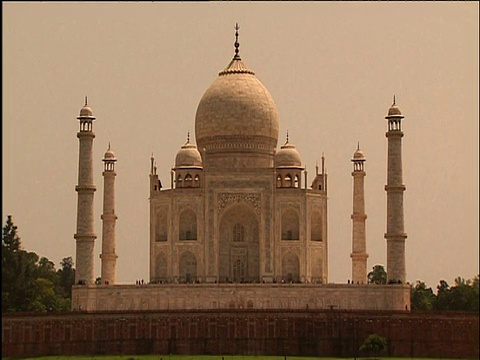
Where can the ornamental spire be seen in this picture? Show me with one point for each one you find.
(237, 44)
(151, 164)
(86, 100)
(236, 65)
(393, 99)
(323, 163)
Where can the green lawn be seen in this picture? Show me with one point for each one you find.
(208, 357)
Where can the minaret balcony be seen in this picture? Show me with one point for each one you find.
(396, 236)
(394, 133)
(360, 217)
(108, 256)
(86, 188)
(108, 217)
(395, 188)
(85, 134)
(85, 237)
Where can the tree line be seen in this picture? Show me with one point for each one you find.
(463, 296)
(31, 283)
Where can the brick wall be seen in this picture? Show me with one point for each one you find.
(247, 332)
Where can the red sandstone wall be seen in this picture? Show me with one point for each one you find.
(254, 332)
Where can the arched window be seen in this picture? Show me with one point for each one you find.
(290, 225)
(317, 266)
(179, 181)
(238, 233)
(197, 180)
(316, 225)
(161, 225)
(161, 267)
(290, 268)
(279, 181)
(188, 180)
(238, 270)
(288, 180)
(188, 225)
(188, 267)
(297, 182)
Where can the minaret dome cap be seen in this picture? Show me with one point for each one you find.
(394, 110)
(86, 111)
(358, 155)
(109, 155)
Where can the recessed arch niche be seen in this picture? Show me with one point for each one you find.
(187, 267)
(188, 225)
(239, 249)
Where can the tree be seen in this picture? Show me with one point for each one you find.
(374, 344)
(30, 283)
(378, 275)
(46, 270)
(463, 296)
(66, 277)
(46, 299)
(421, 297)
(10, 239)
(18, 281)
(18, 269)
(10, 245)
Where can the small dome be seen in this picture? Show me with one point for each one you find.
(358, 155)
(394, 110)
(188, 156)
(86, 111)
(109, 155)
(287, 156)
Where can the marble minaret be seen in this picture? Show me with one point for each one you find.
(359, 246)
(395, 234)
(85, 235)
(109, 218)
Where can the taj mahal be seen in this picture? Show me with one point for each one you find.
(240, 225)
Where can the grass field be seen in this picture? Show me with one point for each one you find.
(210, 357)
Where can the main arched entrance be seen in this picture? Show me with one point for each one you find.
(239, 249)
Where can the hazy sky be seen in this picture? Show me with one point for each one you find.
(332, 69)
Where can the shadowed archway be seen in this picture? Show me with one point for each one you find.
(239, 251)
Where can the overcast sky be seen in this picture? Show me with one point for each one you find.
(332, 69)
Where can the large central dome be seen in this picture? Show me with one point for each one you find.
(237, 120)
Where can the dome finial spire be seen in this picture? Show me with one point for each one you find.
(287, 137)
(237, 44)
(109, 145)
(393, 99)
(188, 136)
(358, 145)
(86, 100)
